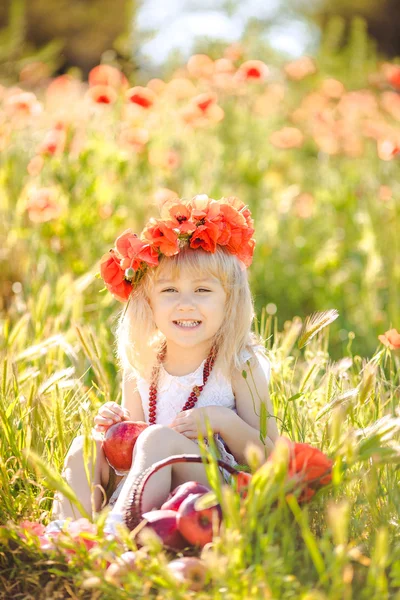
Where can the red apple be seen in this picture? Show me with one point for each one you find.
(119, 441)
(189, 570)
(197, 525)
(164, 524)
(181, 492)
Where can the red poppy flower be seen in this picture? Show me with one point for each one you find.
(287, 137)
(134, 251)
(200, 65)
(252, 70)
(156, 85)
(161, 235)
(114, 277)
(240, 240)
(141, 96)
(134, 138)
(307, 464)
(393, 76)
(102, 94)
(23, 104)
(205, 236)
(204, 101)
(312, 465)
(204, 207)
(391, 339)
(179, 215)
(300, 68)
(53, 143)
(241, 207)
(42, 205)
(105, 75)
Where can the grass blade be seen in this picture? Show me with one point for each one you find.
(314, 323)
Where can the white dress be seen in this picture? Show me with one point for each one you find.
(173, 391)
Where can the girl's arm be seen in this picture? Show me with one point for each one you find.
(237, 430)
(131, 399)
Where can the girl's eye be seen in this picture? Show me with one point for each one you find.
(203, 290)
(169, 290)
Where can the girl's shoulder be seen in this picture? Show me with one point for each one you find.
(253, 357)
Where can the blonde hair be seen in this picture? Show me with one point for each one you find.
(138, 340)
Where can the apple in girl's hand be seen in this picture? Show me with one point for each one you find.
(181, 492)
(197, 525)
(189, 570)
(119, 441)
(164, 524)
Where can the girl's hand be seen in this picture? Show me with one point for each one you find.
(190, 422)
(108, 414)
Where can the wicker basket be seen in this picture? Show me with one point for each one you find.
(132, 512)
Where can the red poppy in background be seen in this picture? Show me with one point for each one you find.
(134, 138)
(393, 76)
(106, 75)
(287, 137)
(102, 94)
(300, 68)
(54, 142)
(24, 104)
(391, 339)
(42, 205)
(252, 70)
(200, 65)
(204, 101)
(142, 96)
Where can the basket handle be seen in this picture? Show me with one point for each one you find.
(132, 511)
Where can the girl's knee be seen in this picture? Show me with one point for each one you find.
(76, 448)
(158, 435)
(76, 454)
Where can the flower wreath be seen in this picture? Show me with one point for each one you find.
(200, 223)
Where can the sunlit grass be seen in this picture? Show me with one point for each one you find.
(344, 543)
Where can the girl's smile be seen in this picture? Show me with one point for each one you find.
(189, 325)
(188, 310)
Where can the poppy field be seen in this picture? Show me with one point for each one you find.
(312, 146)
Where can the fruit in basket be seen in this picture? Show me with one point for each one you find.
(164, 524)
(196, 525)
(119, 442)
(180, 493)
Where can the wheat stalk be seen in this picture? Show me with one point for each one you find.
(314, 323)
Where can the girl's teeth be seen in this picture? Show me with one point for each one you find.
(188, 323)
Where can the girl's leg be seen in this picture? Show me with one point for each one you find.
(154, 444)
(75, 474)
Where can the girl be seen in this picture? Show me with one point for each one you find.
(184, 342)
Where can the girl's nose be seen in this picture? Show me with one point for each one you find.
(186, 301)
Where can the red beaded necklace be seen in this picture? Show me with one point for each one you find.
(194, 394)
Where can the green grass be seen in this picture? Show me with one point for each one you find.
(344, 544)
